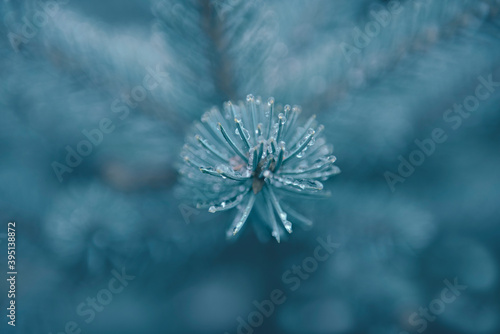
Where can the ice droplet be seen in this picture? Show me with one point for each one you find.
(212, 209)
(246, 133)
(250, 158)
(282, 117)
(288, 226)
(302, 141)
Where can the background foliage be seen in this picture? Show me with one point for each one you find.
(120, 208)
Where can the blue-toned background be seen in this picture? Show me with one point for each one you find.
(108, 246)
